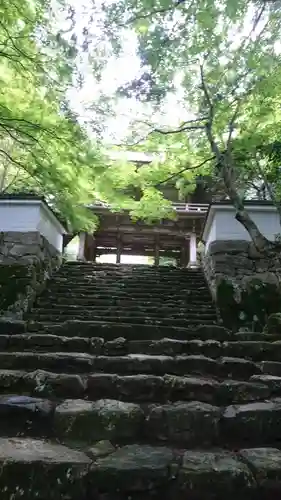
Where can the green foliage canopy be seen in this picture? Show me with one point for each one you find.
(221, 60)
(43, 148)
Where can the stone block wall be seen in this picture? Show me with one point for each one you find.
(245, 285)
(27, 260)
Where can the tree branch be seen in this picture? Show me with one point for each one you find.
(17, 139)
(31, 125)
(145, 15)
(15, 162)
(177, 131)
(231, 125)
(5, 189)
(184, 170)
(209, 124)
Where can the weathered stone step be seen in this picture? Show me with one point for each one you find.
(181, 423)
(131, 308)
(145, 284)
(138, 320)
(110, 331)
(144, 388)
(130, 280)
(46, 470)
(139, 297)
(83, 313)
(146, 472)
(155, 389)
(251, 350)
(109, 300)
(225, 367)
(88, 314)
(110, 280)
(135, 290)
(35, 469)
(129, 269)
(129, 272)
(131, 277)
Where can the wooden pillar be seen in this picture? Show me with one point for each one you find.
(90, 248)
(192, 251)
(184, 255)
(119, 249)
(157, 251)
(81, 249)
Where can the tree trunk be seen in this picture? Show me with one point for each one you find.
(225, 164)
(4, 176)
(242, 216)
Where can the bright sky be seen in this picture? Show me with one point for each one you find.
(119, 71)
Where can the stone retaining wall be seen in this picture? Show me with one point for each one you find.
(244, 284)
(27, 260)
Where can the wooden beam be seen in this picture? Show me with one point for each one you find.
(133, 251)
(81, 249)
(145, 231)
(119, 248)
(90, 247)
(184, 254)
(139, 245)
(157, 251)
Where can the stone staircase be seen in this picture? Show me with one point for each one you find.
(120, 385)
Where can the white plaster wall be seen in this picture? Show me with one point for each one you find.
(26, 216)
(212, 234)
(19, 216)
(225, 227)
(49, 229)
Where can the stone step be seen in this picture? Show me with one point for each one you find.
(77, 362)
(138, 320)
(118, 284)
(133, 279)
(109, 300)
(123, 281)
(137, 289)
(139, 388)
(169, 388)
(138, 296)
(134, 308)
(107, 275)
(146, 472)
(251, 350)
(130, 267)
(84, 313)
(88, 314)
(130, 280)
(35, 469)
(130, 270)
(48, 470)
(110, 331)
(181, 423)
(256, 351)
(139, 299)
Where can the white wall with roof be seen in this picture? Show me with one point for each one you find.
(222, 225)
(26, 216)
